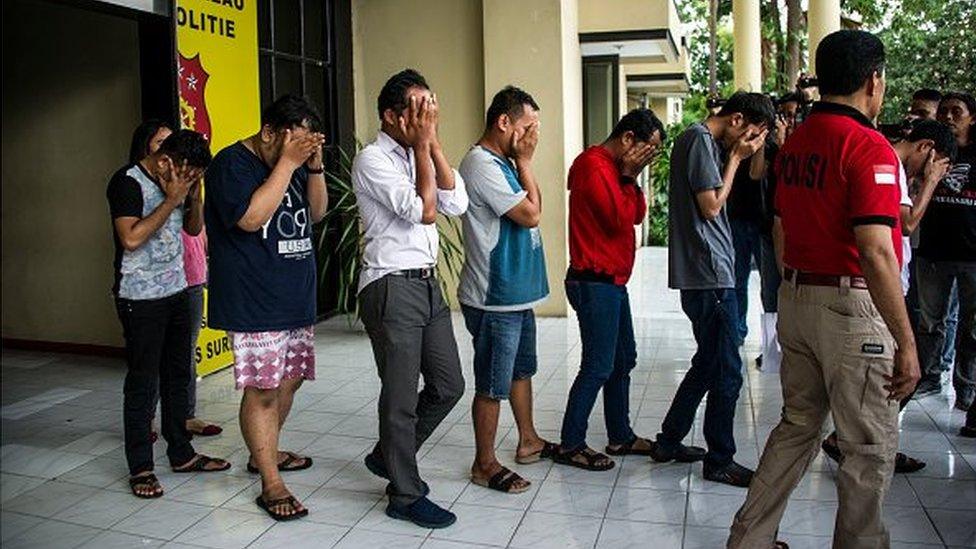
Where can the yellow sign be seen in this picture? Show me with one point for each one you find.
(220, 98)
(213, 350)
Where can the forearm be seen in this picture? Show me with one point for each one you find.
(140, 231)
(442, 168)
(919, 204)
(318, 196)
(728, 177)
(193, 218)
(267, 198)
(757, 165)
(779, 244)
(880, 267)
(529, 184)
(426, 182)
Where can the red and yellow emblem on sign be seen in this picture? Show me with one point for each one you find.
(193, 100)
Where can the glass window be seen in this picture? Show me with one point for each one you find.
(314, 25)
(287, 26)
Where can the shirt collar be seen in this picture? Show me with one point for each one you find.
(389, 145)
(826, 107)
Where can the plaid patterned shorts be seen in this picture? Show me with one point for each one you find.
(264, 359)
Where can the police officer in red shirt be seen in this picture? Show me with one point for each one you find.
(848, 348)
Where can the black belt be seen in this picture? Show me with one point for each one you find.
(833, 281)
(587, 275)
(422, 273)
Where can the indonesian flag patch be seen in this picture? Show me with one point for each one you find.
(884, 174)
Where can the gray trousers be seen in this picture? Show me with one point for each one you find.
(409, 325)
(935, 280)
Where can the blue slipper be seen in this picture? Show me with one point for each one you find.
(424, 513)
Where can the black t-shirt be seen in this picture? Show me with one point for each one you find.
(265, 280)
(124, 200)
(948, 229)
(745, 199)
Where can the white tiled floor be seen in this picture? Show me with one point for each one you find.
(63, 474)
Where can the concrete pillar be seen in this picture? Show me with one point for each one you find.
(823, 18)
(545, 62)
(747, 47)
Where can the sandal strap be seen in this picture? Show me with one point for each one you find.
(290, 500)
(504, 479)
(591, 455)
(549, 449)
(143, 480)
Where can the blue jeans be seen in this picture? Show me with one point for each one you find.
(952, 325)
(747, 241)
(504, 349)
(609, 354)
(716, 369)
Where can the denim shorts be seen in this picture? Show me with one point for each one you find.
(504, 349)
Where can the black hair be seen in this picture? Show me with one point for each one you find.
(142, 136)
(846, 59)
(642, 122)
(791, 97)
(188, 146)
(939, 133)
(511, 101)
(290, 111)
(927, 94)
(756, 108)
(966, 98)
(394, 93)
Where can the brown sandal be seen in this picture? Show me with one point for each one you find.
(143, 481)
(503, 481)
(548, 450)
(269, 506)
(199, 465)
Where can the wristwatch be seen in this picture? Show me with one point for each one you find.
(313, 171)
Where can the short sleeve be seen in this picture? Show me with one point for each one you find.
(229, 183)
(124, 196)
(874, 194)
(491, 184)
(703, 170)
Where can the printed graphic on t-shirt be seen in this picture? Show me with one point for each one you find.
(291, 226)
(954, 181)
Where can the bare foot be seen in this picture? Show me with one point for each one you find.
(149, 488)
(528, 447)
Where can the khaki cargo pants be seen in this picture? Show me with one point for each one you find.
(836, 350)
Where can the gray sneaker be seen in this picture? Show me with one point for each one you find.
(927, 387)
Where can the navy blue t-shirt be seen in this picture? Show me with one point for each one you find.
(265, 280)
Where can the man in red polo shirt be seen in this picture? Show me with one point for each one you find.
(605, 203)
(848, 348)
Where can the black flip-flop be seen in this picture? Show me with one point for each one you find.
(200, 465)
(907, 464)
(503, 481)
(288, 464)
(628, 449)
(590, 455)
(268, 507)
(548, 450)
(149, 480)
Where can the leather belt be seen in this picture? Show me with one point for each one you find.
(584, 275)
(834, 281)
(423, 273)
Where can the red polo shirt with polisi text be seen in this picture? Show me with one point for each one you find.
(603, 210)
(834, 173)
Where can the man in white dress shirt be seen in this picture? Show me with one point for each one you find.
(401, 180)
